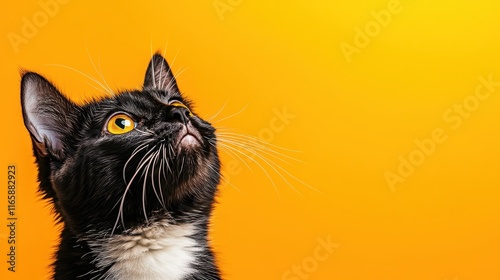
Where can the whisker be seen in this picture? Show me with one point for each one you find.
(264, 150)
(176, 76)
(255, 140)
(180, 172)
(170, 70)
(272, 164)
(145, 132)
(171, 151)
(101, 74)
(137, 150)
(160, 82)
(145, 183)
(231, 153)
(160, 169)
(218, 112)
(85, 75)
(165, 49)
(153, 64)
(95, 68)
(134, 153)
(165, 159)
(232, 115)
(150, 152)
(257, 163)
(96, 88)
(120, 211)
(152, 179)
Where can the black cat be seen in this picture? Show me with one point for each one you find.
(132, 178)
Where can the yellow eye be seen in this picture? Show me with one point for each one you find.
(120, 124)
(179, 104)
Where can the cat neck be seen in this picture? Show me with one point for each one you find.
(160, 250)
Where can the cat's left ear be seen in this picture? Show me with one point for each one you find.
(159, 75)
(48, 115)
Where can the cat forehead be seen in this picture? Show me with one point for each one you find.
(144, 98)
(156, 96)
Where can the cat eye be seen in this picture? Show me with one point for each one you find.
(120, 124)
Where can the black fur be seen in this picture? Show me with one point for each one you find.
(83, 169)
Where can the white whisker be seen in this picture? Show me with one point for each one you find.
(122, 201)
(255, 140)
(262, 149)
(165, 160)
(232, 115)
(170, 71)
(152, 179)
(231, 153)
(85, 75)
(218, 112)
(95, 68)
(137, 150)
(160, 169)
(153, 64)
(180, 172)
(176, 76)
(96, 88)
(273, 164)
(153, 156)
(257, 163)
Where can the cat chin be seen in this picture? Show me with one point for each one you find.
(189, 138)
(189, 141)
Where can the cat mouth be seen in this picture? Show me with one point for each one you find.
(189, 138)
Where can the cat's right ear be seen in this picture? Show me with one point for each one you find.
(47, 115)
(159, 75)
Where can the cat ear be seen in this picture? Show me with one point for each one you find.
(159, 75)
(47, 114)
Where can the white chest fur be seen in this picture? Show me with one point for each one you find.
(160, 251)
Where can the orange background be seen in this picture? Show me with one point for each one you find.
(354, 117)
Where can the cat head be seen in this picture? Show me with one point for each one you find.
(124, 160)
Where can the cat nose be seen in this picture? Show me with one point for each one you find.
(178, 114)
